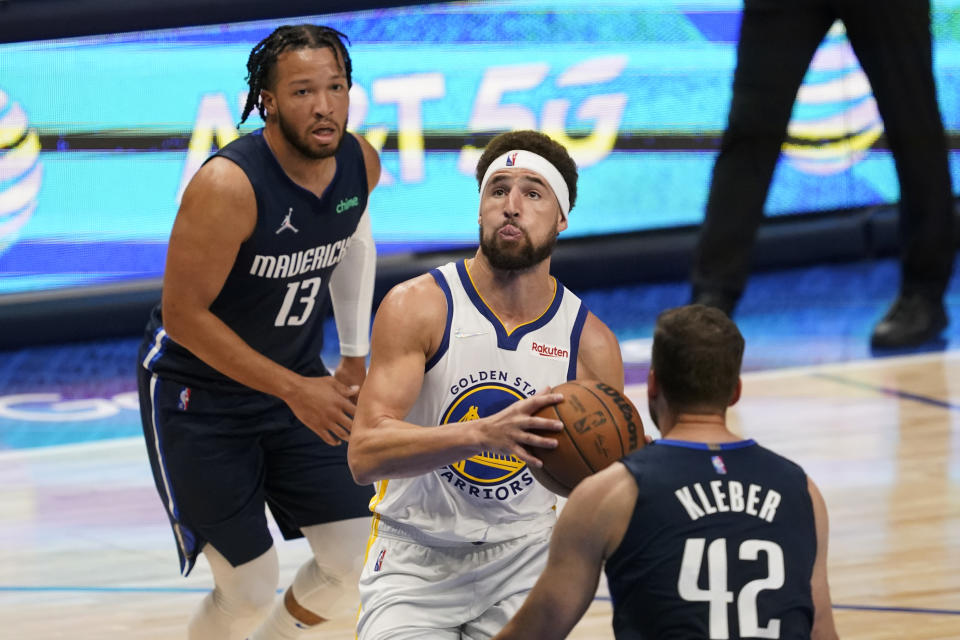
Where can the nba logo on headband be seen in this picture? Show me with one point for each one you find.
(537, 164)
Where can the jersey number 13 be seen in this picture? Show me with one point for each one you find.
(296, 308)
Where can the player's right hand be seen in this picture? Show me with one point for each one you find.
(324, 404)
(513, 429)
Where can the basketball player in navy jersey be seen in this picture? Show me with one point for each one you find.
(701, 534)
(238, 409)
(461, 359)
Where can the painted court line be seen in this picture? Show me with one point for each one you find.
(829, 370)
(92, 589)
(888, 391)
(637, 392)
(866, 607)
(853, 365)
(77, 448)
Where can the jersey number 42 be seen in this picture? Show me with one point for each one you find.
(717, 595)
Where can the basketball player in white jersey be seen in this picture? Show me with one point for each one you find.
(461, 358)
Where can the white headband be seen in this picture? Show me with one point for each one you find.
(520, 159)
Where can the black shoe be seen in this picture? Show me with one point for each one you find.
(912, 320)
(716, 299)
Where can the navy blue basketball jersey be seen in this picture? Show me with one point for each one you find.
(721, 544)
(276, 295)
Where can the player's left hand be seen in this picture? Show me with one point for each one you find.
(352, 371)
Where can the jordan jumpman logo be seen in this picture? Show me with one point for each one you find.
(287, 224)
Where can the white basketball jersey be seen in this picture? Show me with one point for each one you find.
(478, 370)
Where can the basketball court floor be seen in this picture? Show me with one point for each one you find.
(86, 551)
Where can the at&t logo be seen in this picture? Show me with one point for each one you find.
(20, 171)
(835, 119)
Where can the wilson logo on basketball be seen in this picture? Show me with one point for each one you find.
(549, 351)
(627, 410)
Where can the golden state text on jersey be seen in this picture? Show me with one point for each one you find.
(487, 475)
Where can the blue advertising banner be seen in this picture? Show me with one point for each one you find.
(100, 135)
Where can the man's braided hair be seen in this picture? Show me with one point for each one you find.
(263, 57)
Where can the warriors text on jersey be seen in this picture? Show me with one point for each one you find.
(478, 370)
(721, 544)
(276, 295)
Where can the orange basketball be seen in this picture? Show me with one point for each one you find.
(600, 426)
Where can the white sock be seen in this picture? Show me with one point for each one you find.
(241, 599)
(327, 589)
(280, 625)
(210, 621)
(324, 591)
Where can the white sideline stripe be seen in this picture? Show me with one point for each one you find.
(854, 365)
(76, 448)
(834, 367)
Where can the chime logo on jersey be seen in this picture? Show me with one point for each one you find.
(348, 203)
(490, 476)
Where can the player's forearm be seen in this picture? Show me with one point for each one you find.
(351, 291)
(824, 627)
(529, 622)
(397, 449)
(216, 344)
(824, 630)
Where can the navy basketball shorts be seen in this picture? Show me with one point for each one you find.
(218, 458)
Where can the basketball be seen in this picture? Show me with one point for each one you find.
(600, 426)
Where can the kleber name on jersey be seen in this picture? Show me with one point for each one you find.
(288, 265)
(487, 476)
(729, 496)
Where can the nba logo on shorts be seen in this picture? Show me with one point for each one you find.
(512, 159)
(379, 562)
(184, 402)
(718, 465)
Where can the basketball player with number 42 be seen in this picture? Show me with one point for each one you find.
(702, 534)
(461, 360)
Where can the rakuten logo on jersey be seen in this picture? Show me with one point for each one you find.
(549, 351)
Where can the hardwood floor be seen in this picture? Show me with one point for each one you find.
(85, 550)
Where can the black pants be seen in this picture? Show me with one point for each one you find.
(778, 38)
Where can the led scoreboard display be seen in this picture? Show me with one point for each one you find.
(99, 135)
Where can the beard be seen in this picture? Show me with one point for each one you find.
(298, 142)
(517, 258)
